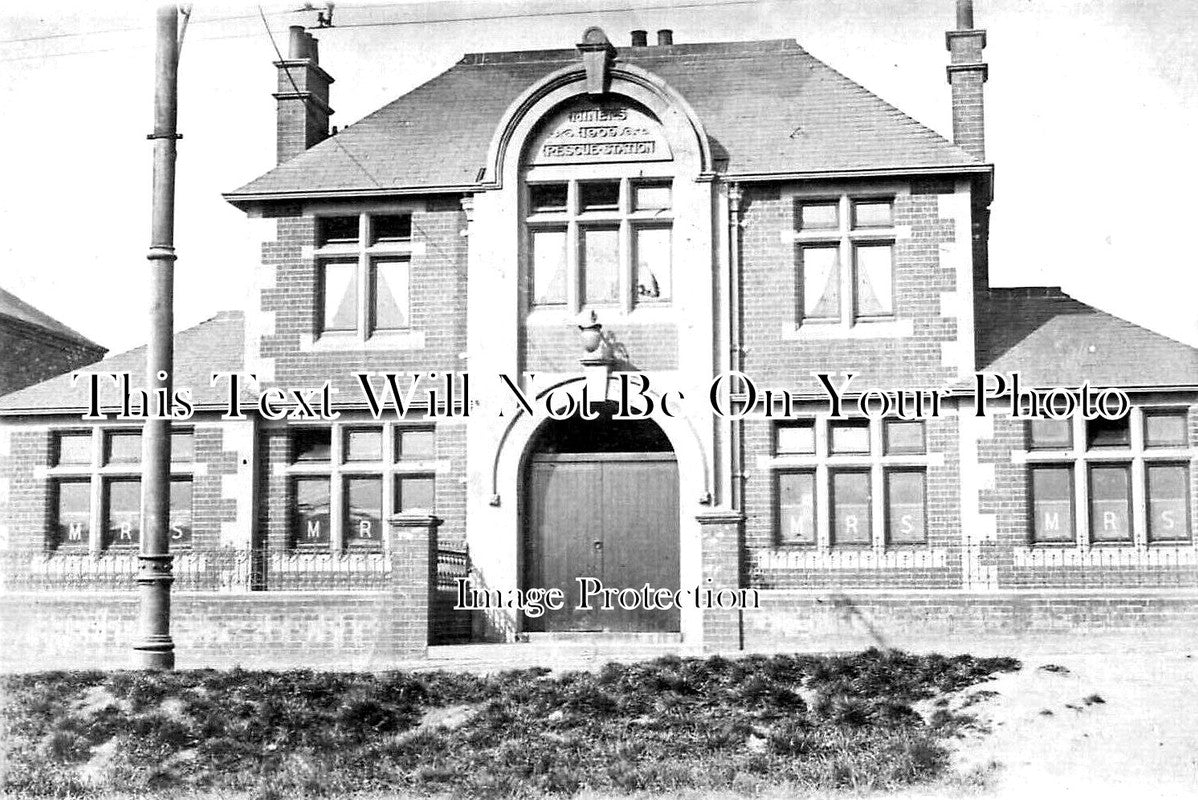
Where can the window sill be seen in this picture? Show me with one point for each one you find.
(869, 329)
(646, 312)
(353, 343)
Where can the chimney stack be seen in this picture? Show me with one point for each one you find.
(966, 74)
(303, 97)
(640, 38)
(665, 36)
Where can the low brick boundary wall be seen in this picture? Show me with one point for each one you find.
(1056, 620)
(329, 630)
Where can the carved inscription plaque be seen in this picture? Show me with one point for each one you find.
(590, 133)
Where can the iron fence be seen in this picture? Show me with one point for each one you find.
(980, 566)
(451, 565)
(215, 570)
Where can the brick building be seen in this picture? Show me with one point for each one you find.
(569, 218)
(36, 346)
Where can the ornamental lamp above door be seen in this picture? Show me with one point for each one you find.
(598, 362)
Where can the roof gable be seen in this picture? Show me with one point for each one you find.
(14, 308)
(1051, 339)
(215, 345)
(770, 108)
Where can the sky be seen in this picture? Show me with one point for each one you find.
(1091, 109)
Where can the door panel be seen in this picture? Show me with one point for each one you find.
(612, 517)
(562, 531)
(640, 537)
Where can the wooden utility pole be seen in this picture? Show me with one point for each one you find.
(155, 649)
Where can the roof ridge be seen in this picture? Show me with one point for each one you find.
(730, 48)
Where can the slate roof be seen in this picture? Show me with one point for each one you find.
(14, 308)
(215, 345)
(1054, 340)
(769, 107)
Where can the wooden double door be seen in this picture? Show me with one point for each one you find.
(608, 516)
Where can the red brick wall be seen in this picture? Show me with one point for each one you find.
(33, 355)
(451, 487)
(97, 630)
(958, 622)
(27, 512)
(274, 501)
(209, 506)
(640, 346)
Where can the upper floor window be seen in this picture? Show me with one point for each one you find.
(845, 254)
(364, 273)
(599, 243)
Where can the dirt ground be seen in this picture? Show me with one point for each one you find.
(1120, 720)
(1114, 724)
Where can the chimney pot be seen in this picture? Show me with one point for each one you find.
(640, 38)
(665, 36)
(964, 15)
(967, 74)
(303, 97)
(298, 48)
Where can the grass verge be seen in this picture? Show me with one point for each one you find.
(673, 724)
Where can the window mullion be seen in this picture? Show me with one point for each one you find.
(847, 300)
(96, 539)
(573, 243)
(363, 294)
(877, 503)
(336, 498)
(625, 279)
(1081, 500)
(823, 487)
(1139, 477)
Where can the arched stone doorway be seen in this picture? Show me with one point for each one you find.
(600, 502)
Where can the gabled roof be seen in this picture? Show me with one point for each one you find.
(770, 108)
(14, 308)
(215, 345)
(1055, 340)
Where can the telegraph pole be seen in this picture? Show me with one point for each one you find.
(155, 649)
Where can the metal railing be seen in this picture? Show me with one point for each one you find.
(215, 570)
(983, 566)
(980, 566)
(451, 565)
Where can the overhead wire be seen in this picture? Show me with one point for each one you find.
(384, 23)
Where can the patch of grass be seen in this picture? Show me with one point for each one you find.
(672, 724)
(1054, 668)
